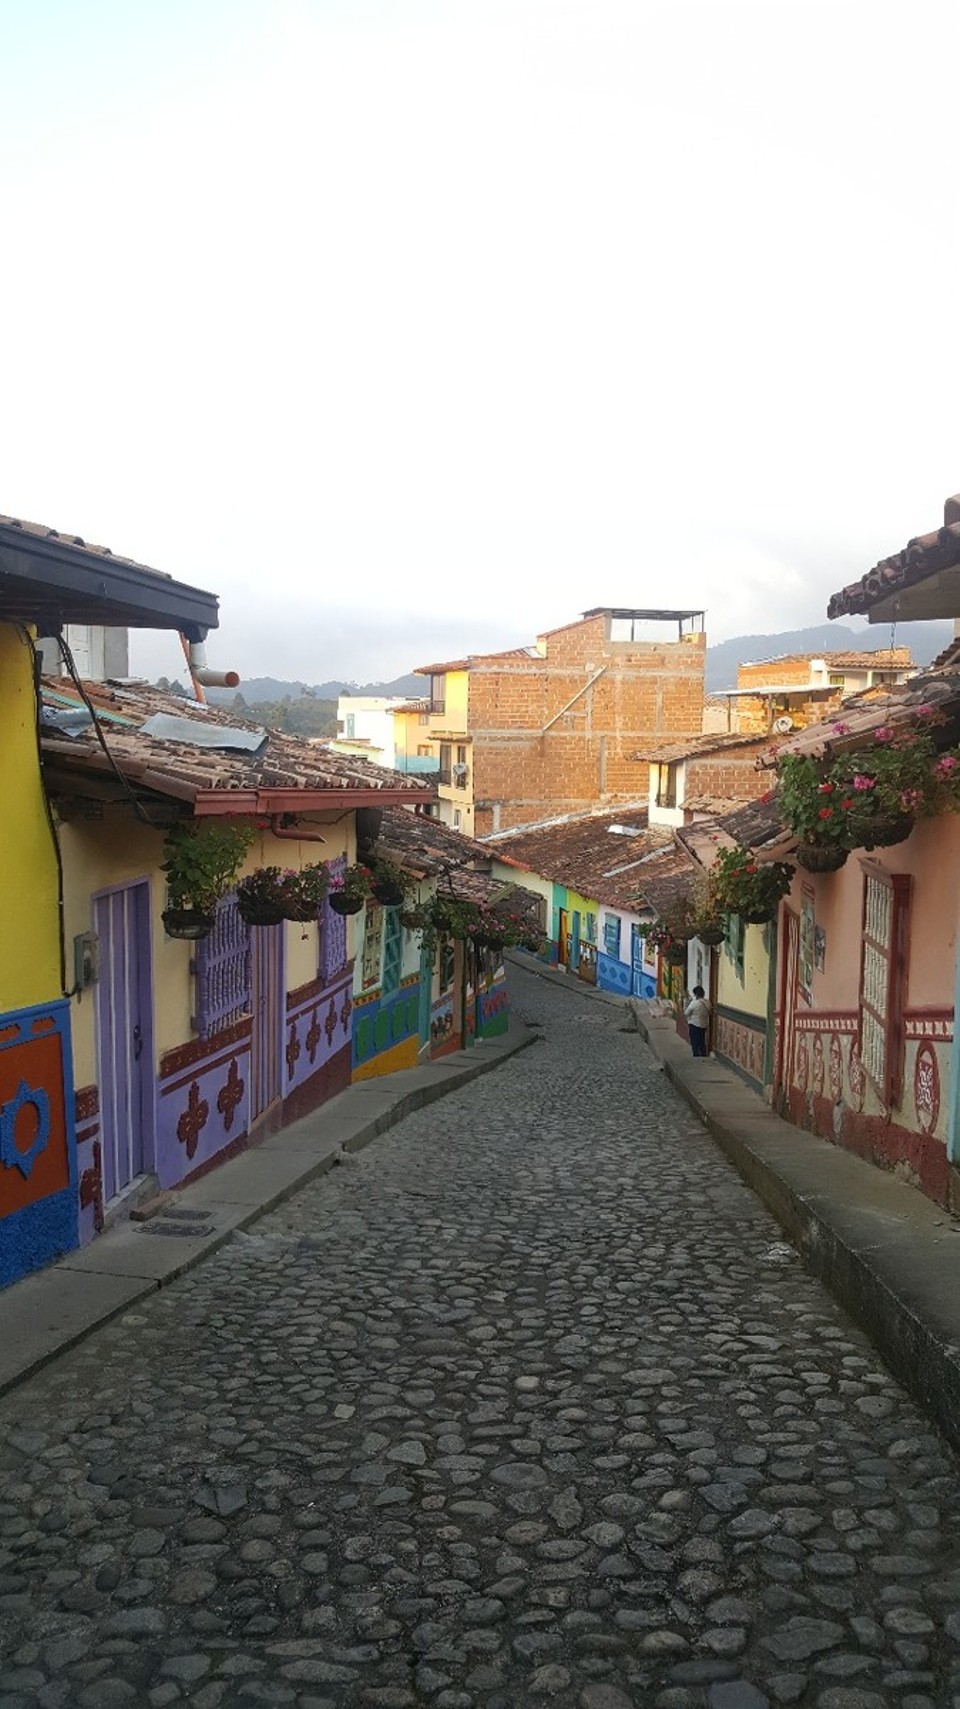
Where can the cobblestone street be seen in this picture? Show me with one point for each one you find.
(527, 1404)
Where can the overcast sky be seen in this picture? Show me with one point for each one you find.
(412, 327)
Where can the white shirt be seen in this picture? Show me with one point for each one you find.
(697, 1011)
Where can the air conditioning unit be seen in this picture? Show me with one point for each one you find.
(783, 726)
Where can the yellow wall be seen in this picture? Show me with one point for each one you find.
(456, 696)
(528, 881)
(117, 849)
(30, 964)
(389, 1061)
(750, 994)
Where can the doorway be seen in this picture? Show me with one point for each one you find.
(121, 920)
(267, 1002)
(787, 1008)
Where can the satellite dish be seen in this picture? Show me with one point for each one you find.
(783, 726)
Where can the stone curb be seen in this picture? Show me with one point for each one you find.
(887, 1253)
(50, 1312)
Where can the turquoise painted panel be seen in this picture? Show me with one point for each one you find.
(383, 1022)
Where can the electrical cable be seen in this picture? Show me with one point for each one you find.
(37, 673)
(124, 781)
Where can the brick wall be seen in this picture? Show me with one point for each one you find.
(646, 690)
(732, 777)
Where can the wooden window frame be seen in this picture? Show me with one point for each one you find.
(667, 779)
(888, 1083)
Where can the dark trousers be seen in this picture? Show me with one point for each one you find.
(698, 1040)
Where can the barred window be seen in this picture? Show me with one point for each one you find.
(885, 898)
(333, 931)
(223, 972)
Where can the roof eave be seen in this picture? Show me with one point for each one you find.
(222, 803)
(49, 581)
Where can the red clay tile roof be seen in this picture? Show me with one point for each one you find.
(921, 557)
(424, 845)
(212, 779)
(585, 854)
(665, 751)
(474, 659)
(666, 877)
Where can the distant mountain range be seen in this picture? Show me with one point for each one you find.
(257, 688)
(925, 640)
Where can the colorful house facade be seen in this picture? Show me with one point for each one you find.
(412, 1004)
(48, 581)
(185, 1052)
(589, 871)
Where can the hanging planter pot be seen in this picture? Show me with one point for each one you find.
(712, 936)
(759, 917)
(190, 923)
(883, 831)
(389, 895)
(257, 911)
(341, 903)
(676, 955)
(302, 911)
(821, 857)
(413, 919)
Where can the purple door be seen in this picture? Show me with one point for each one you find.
(124, 1035)
(267, 1002)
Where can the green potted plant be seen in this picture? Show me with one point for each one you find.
(745, 886)
(660, 937)
(389, 883)
(810, 807)
(201, 864)
(349, 892)
(260, 897)
(447, 917)
(706, 915)
(870, 796)
(303, 892)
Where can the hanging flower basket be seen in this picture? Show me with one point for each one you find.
(413, 919)
(304, 891)
(676, 955)
(883, 831)
(712, 936)
(350, 890)
(344, 904)
(748, 887)
(191, 923)
(821, 857)
(389, 883)
(260, 897)
(388, 895)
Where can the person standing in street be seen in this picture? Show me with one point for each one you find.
(697, 1013)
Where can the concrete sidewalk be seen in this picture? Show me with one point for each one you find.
(888, 1254)
(47, 1313)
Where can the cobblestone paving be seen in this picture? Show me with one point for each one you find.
(528, 1405)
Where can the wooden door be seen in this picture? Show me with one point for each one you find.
(267, 999)
(124, 1035)
(787, 1008)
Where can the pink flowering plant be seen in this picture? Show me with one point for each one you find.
(874, 793)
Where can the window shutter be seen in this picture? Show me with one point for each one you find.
(885, 898)
(333, 931)
(392, 951)
(223, 972)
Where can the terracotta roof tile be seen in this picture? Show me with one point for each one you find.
(283, 763)
(921, 557)
(667, 750)
(584, 853)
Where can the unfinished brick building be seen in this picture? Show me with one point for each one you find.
(553, 728)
